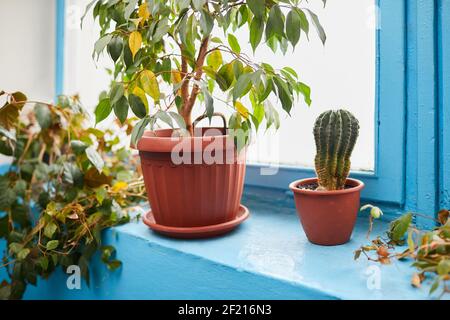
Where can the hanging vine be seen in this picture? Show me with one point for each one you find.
(66, 184)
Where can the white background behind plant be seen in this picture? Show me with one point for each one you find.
(27, 50)
(341, 74)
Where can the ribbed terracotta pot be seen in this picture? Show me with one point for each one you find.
(328, 217)
(193, 193)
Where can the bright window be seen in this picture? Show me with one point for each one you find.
(341, 75)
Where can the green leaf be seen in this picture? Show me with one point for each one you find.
(443, 268)
(399, 227)
(258, 115)
(293, 27)
(163, 116)
(72, 174)
(305, 91)
(256, 32)
(275, 23)
(52, 245)
(209, 104)
(21, 187)
(100, 194)
(234, 44)
(23, 254)
(284, 94)
(131, 6)
(43, 115)
(206, 23)
(242, 86)
(88, 7)
(271, 115)
(7, 194)
(43, 262)
(225, 76)
(103, 110)
(50, 229)
(115, 48)
(435, 285)
(318, 26)
(178, 119)
(161, 30)
(138, 130)
(258, 7)
(101, 43)
(117, 92)
(121, 109)
(95, 158)
(15, 247)
(166, 67)
(304, 23)
(78, 146)
(198, 4)
(137, 106)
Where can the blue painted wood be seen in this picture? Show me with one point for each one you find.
(386, 184)
(59, 44)
(267, 257)
(444, 101)
(422, 139)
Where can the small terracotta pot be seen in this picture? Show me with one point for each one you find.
(328, 217)
(193, 193)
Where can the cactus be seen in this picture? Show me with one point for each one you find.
(335, 133)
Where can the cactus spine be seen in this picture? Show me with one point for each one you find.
(335, 133)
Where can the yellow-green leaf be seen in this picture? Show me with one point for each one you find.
(215, 59)
(52, 245)
(150, 84)
(135, 42)
(141, 94)
(243, 111)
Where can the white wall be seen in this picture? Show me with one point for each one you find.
(27, 48)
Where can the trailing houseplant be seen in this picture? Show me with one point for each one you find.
(66, 183)
(168, 62)
(328, 205)
(428, 249)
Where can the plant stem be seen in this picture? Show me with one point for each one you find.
(188, 104)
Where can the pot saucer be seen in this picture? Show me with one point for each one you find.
(197, 232)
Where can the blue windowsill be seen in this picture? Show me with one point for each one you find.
(267, 257)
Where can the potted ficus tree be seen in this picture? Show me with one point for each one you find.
(328, 205)
(168, 64)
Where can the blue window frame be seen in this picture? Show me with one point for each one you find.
(59, 54)
(444, 101)
(386, 182)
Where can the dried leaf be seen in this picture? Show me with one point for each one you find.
(416, 281)
(443, 216)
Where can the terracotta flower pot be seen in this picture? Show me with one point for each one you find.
(328, 217)
(187, 193)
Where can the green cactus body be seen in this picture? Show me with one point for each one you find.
(335, 133)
